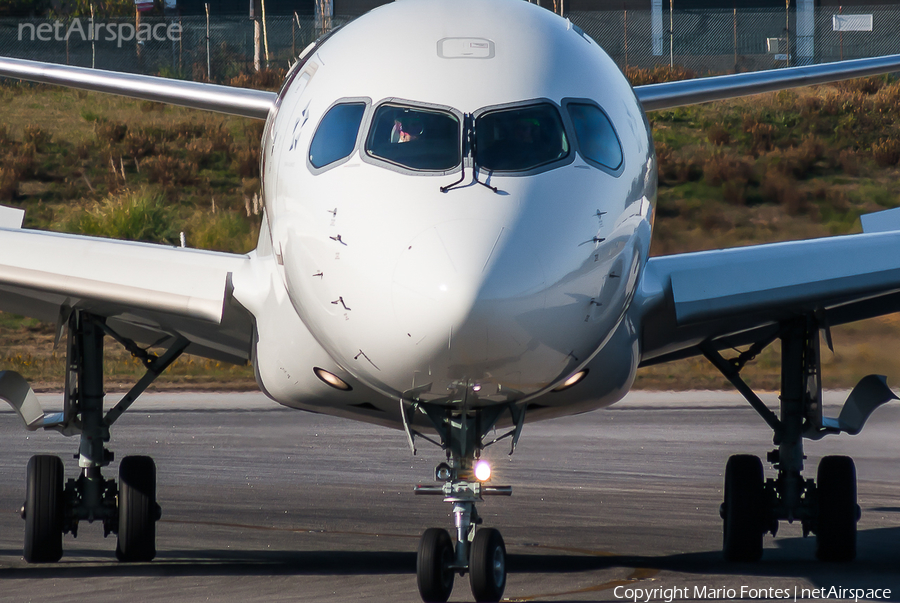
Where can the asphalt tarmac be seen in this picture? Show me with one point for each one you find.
(262, 503)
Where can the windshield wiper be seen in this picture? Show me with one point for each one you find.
(468, 154)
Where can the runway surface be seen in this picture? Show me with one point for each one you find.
(262, 503)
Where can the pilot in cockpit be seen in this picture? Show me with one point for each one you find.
(407, 129)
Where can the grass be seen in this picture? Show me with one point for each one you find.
(789, 165)
(778, 166)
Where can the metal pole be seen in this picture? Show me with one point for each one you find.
(671, 34)
(265, 31)
(180, 44)
(625, 10)
(256, 32)
(93, 42)
(734, 26)
(841, 34)
(137, 28)
(294, 37)
(208, 62)
(787, 29)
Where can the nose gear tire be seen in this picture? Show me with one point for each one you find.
(487, 565)
(433, 573)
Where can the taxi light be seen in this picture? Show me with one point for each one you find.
(571, 381)
(482, 471)
(332, 379)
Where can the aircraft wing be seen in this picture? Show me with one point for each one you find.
(196, 95)
(149, 293)
(738, 296)
(701, 90)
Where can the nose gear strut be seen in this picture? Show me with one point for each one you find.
(479, 552)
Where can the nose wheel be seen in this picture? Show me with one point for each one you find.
(434, 566)
(487, 565)
(479, 552)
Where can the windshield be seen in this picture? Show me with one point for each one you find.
(335, 138)
(415, 138)
(597, 140)
(520, 139)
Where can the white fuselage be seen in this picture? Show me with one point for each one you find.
(407, 291)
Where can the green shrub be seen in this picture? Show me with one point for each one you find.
(135, 215)
(222, 231)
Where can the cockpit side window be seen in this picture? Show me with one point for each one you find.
(520, 139)
(335, 138)
(415, 138)
(597, 140)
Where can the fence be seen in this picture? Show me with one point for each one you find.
(737, 39)
(702, 40)
(172, 46)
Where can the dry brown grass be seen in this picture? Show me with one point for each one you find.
(886, 153)
(639, 76)
(726, 167)
(168, 170)
(718, 135)
(110, 133)
(265, 79)
(245, 162)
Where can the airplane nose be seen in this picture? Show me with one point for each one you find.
(460, 291)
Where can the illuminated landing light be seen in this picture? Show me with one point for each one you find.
(482, 470)
(476, 388)
(332, 379)
(571, 381)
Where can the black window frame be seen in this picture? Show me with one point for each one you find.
(577, 144)
(396, 167)
(546, 167)
(355, 100)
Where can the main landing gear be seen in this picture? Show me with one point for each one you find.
(825, 506)
(479, 552)
(51, 509)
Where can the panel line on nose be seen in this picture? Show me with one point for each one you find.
(491, 254)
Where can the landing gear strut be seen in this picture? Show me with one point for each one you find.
(128, 509)
(825, 506)
(480, 552)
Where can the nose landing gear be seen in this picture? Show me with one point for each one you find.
(479, 552)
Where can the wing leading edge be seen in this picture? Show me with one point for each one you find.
(669, 95)
(733, 296)
(196, 95)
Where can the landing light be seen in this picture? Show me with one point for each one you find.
(332, 379)
(482, 470)
(571, 380)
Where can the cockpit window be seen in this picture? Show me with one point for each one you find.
(520, 139)
(597, 140)
(335, 138)
(415, 138)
